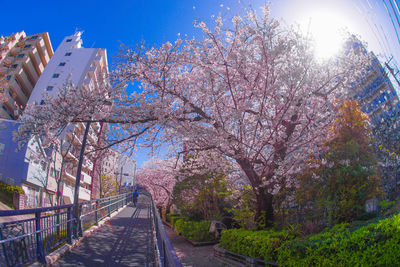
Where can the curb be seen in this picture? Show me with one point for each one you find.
(54, 256)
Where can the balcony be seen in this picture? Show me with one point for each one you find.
(71, 155)
(84, 193)
(87, 164)
(68, 191)
(86, 178)
(69, 174)
(92, 136)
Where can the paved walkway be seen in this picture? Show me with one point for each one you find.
(126, 241)
(192, 256)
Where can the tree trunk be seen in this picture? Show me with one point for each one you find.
(265, 211)
(168, 207)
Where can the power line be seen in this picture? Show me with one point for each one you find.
(391, 18)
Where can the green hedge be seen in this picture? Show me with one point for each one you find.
(196, 231)
(377, 244)
(257, 244)
(174, 218)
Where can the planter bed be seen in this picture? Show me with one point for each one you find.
(234, 259)
(192, 242)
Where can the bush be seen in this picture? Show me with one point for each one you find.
(257, 244)
(387, 207)
(196, 231)
(9, 190)
(174, 218)
(376, 244)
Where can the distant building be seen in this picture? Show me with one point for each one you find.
(378, 98)
(109, 166)
(85, 68)
(126, 170)
(22, 61)
(376, 94)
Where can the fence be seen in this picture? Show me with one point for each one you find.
(24, 241)
(166, 254)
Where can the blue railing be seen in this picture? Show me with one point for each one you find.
(27, 240)
(165, 251)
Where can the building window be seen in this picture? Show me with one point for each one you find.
(49, 88)
(62, 64)
(8, 77)
(68, 54)
(20, 55)
(2, 148)
(14, 66)
(27, 46)
(42, 102)
(56, 75)
(68, 40)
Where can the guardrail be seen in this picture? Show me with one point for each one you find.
(27, 240)
(165, 251)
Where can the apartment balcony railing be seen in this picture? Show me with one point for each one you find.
(86, 178)
(88, 163)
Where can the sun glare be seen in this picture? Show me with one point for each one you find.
(327, 30)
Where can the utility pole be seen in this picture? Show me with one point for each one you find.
(78, 179)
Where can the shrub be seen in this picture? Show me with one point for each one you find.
(196, 231)
(9, 190)
(387, 207)
(245, 210)
(257, 244)
(375, 244)
(174, 218)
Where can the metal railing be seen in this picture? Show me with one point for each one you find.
(27, 240)
(165, 251)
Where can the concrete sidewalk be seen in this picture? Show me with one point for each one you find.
(127, 240)
(190, 256)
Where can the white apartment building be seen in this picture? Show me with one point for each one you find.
(86, 68)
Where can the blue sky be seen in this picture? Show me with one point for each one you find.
(107, 24)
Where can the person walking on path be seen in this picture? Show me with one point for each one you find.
(135, 197)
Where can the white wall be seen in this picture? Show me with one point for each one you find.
(75, 69)
(36, 174)
(127, 165)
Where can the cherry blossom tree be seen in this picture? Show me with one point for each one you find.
(249, 88)
(158, 177)
(202, 188)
